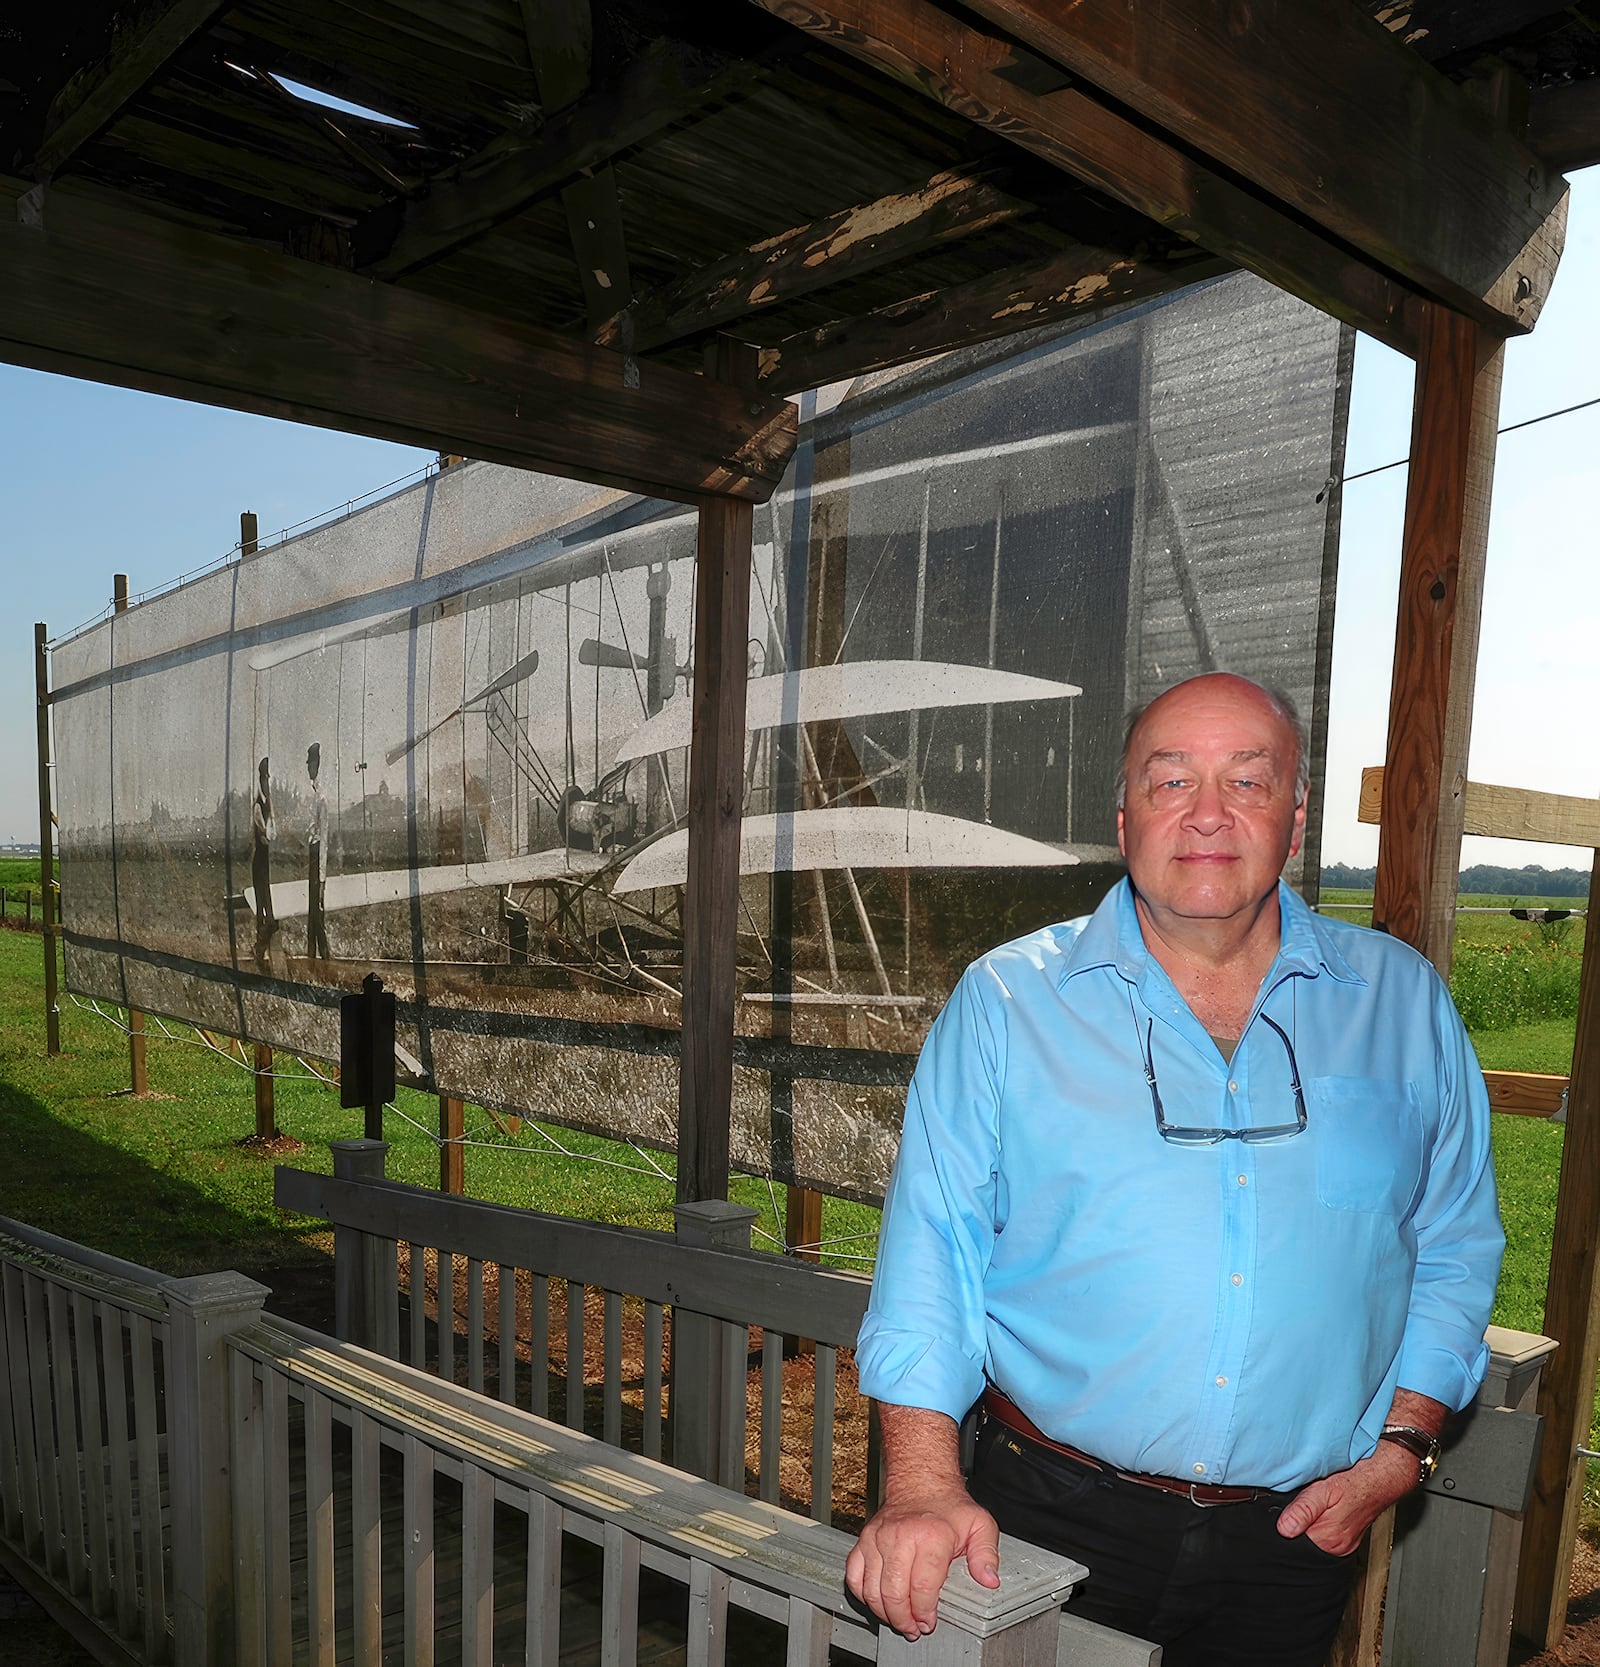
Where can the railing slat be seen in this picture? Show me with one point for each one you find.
(475, 1324)
(386, 1299)
(96, 1504)
(810, 1634)
(417, 1270)
(125, 1579)
(35, 1303)
(736, 1400)
(320, 1593)
(771, 1415)
(418, 1531)
(652, 1380)
(611, 1429)
(619, 1604)
(575, 1295)
(11, 1410)
(247, 1465)
(147, 1462)
(69, 1452)
(275, 1442)
(477, 1567)
(823, 1385)
(366, 1542)
(543, 1634)
(708, 1614)
(506, 1352)
(539, 1345)
(447, 1315)
(22, 1406)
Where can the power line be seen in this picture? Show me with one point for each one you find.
(1510, 428)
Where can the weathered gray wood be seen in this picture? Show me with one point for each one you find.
(735, 1398)
(275, 1444)
(475, 1324)
(810, 1633)
(1434, 1609)
(384, 1297)
(321, 1595)
(417, 1269)
(445, 1262)
(96, 1644)
(202, 1314)
(747, 1285)
(1489, 1459)
(35, 1303)
(418, 1533)
(247, 1465)
(13, 1411)
(96, 1502)
(771, 1415)
(147, 1475)
(619, 1615)
(543, 1627)
(708, 1614)
(539, 1343)
(611, 1429)
(1082, 1643)
(652, 1380)
(79, 1260)
(22, 1403)
(366, 1543)
(357, 1255)
(75, 1565)
(824, 1383)
(477, 1567)
(575, 1294)
(506, 1344)
(125, 1581)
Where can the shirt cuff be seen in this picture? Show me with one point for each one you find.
(910, 1369)
(1441, 1362)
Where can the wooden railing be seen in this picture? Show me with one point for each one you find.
(506, 1284)
(184, 1478)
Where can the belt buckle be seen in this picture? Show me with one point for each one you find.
(1205, 1504)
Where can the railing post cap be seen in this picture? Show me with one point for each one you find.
(359, 1159)
(714, 1221)
(1031, 1581)
(210, 1295)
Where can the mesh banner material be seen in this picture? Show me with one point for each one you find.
(445, 738)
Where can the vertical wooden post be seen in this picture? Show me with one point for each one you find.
(248, 531)
(706, 1397)
(1457, 407)
(716, 806)
(1572, 1316)
(266, 1100)
(452, 1154)
(138, 1074)
(47, 864)
(202, 1312)
(359, 1297)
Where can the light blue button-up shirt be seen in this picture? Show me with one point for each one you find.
(1237, 1313)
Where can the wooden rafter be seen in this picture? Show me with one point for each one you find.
(805, 258)
(1002, 86)
(666, 83)
(96, 92)
(1564, 125)
(1328, 113)
(115, 295)
(1075, 284)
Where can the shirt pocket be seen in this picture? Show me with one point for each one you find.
(1369, 1143)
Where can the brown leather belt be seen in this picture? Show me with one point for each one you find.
(1007, 1412)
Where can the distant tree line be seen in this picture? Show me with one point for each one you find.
(1532, 881)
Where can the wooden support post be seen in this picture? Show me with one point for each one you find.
(139, 1077)
(201, 1313)
(452, 1154)
(266, 1106)
(1457, 405)
(1572, 1316)
(47, 865)
(359, 1297)
(706, 1398)
(716, 806)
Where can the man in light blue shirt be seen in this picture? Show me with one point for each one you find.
(1197, 1193)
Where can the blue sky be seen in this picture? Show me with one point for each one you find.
(102, 481)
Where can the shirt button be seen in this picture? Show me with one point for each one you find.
(1199, 1470)
(1243, 1180)
(1233, 1088)
(1236, 1279)
(1222, 1383)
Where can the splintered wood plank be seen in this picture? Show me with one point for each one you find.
(619, 1620)
(611, 1429)
(771, 1414)
(475, 1324)
(366, 1533)
(652, 1380)
(823, 1387)
(275, 1442)
(125, 1579)
(477, 1567)
(320, 1590)
(147, 1473)
(543, 1619)
(418, 1533)
(506, 1342)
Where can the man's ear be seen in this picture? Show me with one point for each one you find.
(1122, 843)
(1297, 835)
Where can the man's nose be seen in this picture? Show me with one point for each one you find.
(1208, 812)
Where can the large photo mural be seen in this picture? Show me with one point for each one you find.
(446, 737)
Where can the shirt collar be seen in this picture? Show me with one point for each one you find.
(1111, 938)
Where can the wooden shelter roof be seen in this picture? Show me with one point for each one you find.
(844, 184)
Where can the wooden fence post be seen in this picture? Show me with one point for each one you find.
(201, 1313)
(47, 866)
(365, 1266)
(706, 1397)
(452, 1153)
(266, 1098)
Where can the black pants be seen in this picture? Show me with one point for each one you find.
(1216, 1586)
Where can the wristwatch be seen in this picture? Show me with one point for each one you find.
(1422, 1446)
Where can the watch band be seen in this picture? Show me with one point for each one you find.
(1424, 1448)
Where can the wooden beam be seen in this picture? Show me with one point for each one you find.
(1506, 812)
(716, 808)
(1456, 408)
(1564, 125)
(452, 1157)
(146, 39)
(1572, 1317)
(1077, 284)
(1006, 88)
(1329, 114)
(663, 85)
(1527, 1093)
(805, 258)
(117, 296)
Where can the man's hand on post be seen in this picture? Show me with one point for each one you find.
(927, 1520)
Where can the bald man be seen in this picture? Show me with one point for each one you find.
(1194, 1199)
